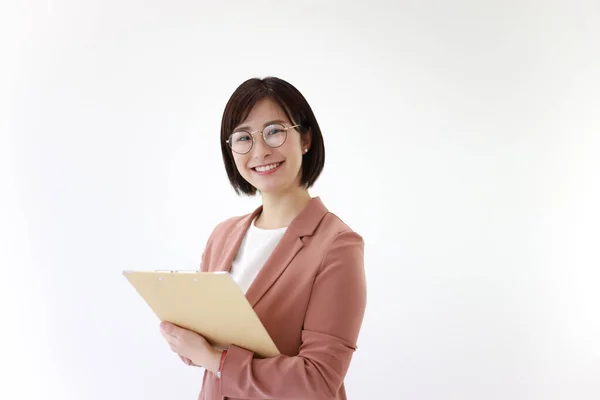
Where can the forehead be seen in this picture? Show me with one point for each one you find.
(264, 110)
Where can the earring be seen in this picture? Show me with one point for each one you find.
(305, 151)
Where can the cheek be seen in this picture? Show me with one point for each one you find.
(296, 154)
(240, 162)
(292, 152)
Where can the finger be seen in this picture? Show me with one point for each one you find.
(171, 340)
(169, 328)
(186, 360)
(167, 334)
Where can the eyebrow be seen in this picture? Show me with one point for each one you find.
(247, 128)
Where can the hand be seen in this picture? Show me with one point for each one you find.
(191, 346)
(187, 361)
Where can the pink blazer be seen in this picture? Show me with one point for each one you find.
(311, 297)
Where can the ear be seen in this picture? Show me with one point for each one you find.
(306, 141)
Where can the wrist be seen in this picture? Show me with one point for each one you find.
(221, 361)
(215, 360)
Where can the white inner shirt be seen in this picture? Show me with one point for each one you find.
(256, 247)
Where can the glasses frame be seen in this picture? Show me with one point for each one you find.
(262, 131)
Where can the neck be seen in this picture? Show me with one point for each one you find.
(280, 209)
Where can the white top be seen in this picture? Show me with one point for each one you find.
(256, 247)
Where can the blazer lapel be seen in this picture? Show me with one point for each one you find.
(234, 241)
(290, 244)
(283, 254)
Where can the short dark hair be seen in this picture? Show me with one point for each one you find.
(295, 107)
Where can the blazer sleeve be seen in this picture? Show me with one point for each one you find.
(203, 259)
(331, 327)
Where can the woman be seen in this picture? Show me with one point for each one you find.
(300, 266)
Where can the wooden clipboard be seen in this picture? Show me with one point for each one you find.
(209, 303)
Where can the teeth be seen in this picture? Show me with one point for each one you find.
(267, 167)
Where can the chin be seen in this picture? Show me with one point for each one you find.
(269, 188)
(277, 183)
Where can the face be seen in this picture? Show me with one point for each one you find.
(269, 169)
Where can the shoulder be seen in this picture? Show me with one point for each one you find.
(333, 228)
(228, 224)
(218, 239)
(337, 246)
(341, 255)
(225, 227)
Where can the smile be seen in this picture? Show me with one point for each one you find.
(267, 168)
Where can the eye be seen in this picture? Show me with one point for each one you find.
(273, 130)
(241, 137)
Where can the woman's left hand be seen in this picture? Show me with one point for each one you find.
(191, 345)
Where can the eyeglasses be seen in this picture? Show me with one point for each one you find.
(274, 135)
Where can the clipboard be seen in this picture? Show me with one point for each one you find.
(209, 303)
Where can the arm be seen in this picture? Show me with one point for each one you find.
(331, 327)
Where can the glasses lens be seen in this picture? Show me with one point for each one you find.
(274, 135)
(240, 142)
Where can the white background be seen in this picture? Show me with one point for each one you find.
(462, 143)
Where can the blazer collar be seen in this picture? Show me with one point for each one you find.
(304, 224)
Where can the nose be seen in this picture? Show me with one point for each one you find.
(260, 148)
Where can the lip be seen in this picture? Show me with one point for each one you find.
(269, 172)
